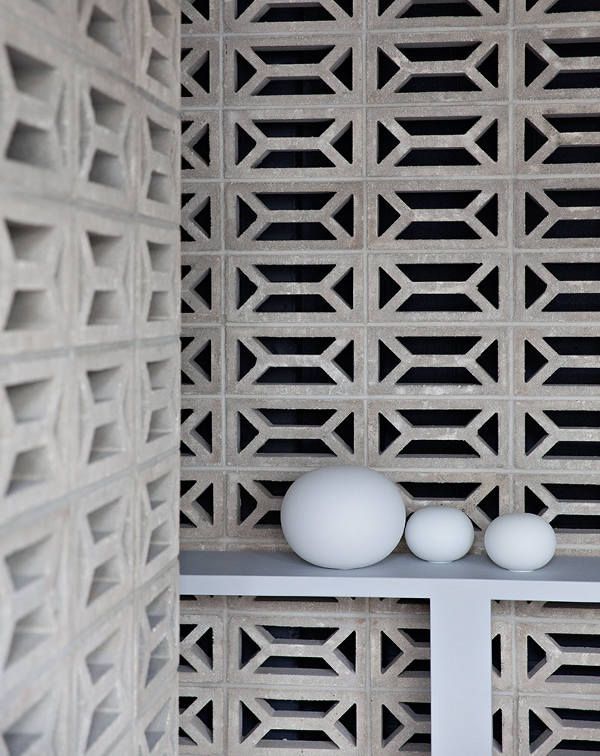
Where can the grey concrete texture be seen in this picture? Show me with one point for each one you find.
(449, 338)
(89, 328)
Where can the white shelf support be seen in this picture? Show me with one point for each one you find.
(461, 673)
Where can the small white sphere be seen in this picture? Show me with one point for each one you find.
(520, 542)
(439, 534)
(343, 517)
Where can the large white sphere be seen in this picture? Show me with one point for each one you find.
(439, 534)
(520, 542)
(343, 517)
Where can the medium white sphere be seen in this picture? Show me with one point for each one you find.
(343, 517)
(520, 542)
(439, 534)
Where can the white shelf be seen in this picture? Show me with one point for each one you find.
(460, 597)
(274, 573)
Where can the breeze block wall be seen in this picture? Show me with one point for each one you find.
(89, 286)
(391, 221)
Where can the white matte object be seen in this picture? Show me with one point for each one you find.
(439, 534)
(520, 542)
(343, 517)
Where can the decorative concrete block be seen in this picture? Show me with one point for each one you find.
(201, 299)
(38, 275)
(300, 288)
(256, 70)
(105, 290)
(399, 14)
(437, 360)
(338, 718)
(557, 286)
(425, 141)
(201, 360)
(36, 425)
(270, 432)
(202, 727)
(267, 144)
(200, 144)
(201, 509)
(556, 434)
(295, 361)
(201, 648)
(201, 432)
(157, 282)
(200, 16)
(453, 432)
(293, 216)
(430, 286)
(322, 16)
(200, 60)
(446, 67)
(200, 217)
(419, 214)
(556, 63)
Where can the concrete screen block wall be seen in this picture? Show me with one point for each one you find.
(89, 288)
(390, 225)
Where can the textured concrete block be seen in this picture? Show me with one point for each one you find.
(322, 16)
(301, 288)
(106, 32)
(547, 722)
(36, 427)
(105, 287)
(201, 432)
(156, 527)
(200, 60)
(431, 286)
(201, 298)
(270, 432)
(38, 281)
(157, 372)
(202, 727)
(437, 360)
(557, 286)
(200, 145)
(103, 556)
(201, 648)
(470, 139)
(293, 216)
(257, 71)
(556, 434)
(37, 112)
(400, 14)
(156, 642)
(159, 163)
(201, 360)
(200, 17)
(201, 508)
(428, 67)
(157, 49)
(200, 217)
(263, 144)
(295, 360)
(102, 685)
(37, 596)
(157, 282)
(556, 63)
(106, 437)
(451, 432)
(413, 214)
(551, 360)
(338, 718)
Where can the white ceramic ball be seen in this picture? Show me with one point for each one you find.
(520, 542)
(439, 534)
(343, 517)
